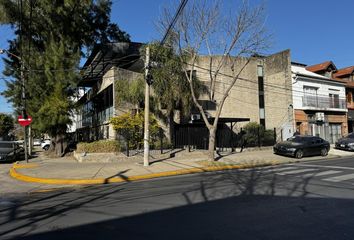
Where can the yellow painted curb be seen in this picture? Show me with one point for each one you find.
(25, 178)
(28, 165)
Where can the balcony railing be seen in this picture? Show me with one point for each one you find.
(323, 102)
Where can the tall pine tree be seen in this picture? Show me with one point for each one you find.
(50, 37)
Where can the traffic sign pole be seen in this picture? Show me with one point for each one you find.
(25, 121)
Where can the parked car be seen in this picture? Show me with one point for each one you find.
(45, 144)
(346, 143)
(9, 151)
(299, 146)
(36, 142)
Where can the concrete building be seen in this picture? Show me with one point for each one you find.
(319, 101)
(262, 93)
(106, 65)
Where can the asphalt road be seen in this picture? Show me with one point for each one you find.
(307, 200)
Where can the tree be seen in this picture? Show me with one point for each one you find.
(6, 125)
(171, 88)
(130, 91)
(50, 41)
(229, 40)
(131, 127)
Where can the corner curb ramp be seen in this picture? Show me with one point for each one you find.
(57, 181)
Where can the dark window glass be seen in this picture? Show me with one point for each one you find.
(260, 85)
(262, 122)
(261, 101)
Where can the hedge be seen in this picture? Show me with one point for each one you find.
(101, 146)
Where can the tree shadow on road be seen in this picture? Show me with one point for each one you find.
(242, 204)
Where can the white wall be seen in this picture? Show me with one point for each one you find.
(323, 89)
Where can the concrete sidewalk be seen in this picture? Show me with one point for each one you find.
(68, 171)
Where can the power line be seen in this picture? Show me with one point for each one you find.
(249, 80)
(179, 11)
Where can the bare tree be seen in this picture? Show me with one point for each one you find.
(228, 39)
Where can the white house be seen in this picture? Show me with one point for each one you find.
(319, 104)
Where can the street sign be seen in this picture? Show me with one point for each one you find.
(24, 122)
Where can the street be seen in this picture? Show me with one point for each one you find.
(307, 200)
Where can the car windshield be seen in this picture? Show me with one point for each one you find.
(296, 139)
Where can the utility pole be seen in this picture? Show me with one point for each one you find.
(147, 107)
(24, 113)
(149, 80)
(23, 97)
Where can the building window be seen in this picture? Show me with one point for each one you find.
(349, 97)
(334, 100)
(261, 103)
(310, 96)
(260, 71)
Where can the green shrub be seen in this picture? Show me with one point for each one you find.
(253, 131)
(101, 146)
(131, 128)
(268, 139)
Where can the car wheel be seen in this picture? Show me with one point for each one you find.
(299, 154)
(324, 152)
(46, 147)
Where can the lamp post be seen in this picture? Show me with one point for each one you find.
(23, 97)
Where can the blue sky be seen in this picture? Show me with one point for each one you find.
(314, 30)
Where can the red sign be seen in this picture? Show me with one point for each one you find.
(24, 122)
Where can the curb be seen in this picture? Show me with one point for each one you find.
(57, 181)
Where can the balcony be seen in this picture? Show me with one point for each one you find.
(324, 102)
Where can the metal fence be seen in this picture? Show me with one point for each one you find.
(324, 102)
(196, 136)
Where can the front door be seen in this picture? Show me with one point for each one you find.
(334, 132)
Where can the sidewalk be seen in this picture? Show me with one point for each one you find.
(68, 171)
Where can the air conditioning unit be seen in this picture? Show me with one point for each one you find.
(195, 117)
(320, 117)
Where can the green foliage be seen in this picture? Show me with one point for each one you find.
(130, 91)
(101, 146)
(6, 124)
(51, 45)
(253, 131)
(131, 127)
(268, 138)
(171, 87)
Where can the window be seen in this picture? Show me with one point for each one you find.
(261, 101)
(349, 97)
(260, 71)
(310, 91)
(310, 96)
(208, 105)
(334, 100)
(260, 85)
(194, 73)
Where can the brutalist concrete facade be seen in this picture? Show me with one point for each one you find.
(263, 92)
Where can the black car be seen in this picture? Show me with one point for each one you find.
(299, 146)
(346, 143)
(9, 151)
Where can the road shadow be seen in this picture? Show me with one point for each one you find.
(242, 204)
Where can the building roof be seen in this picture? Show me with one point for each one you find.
(302, 71)
(344, 71)
(104, 56)
(321, 66)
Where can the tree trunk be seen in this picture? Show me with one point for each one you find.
(60, 145)
(211, 153)
(171, 123)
